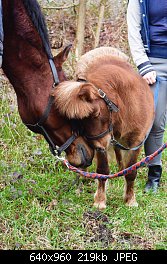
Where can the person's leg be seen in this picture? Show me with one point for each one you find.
(155, 139)
(1, 34)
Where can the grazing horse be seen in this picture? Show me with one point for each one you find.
(33, 72)
(113, 104)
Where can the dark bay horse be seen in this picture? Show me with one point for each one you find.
(26, 65)
(113, 104)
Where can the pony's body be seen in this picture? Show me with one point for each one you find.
(99, 69)
(25, 63)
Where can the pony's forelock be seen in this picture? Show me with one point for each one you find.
(69, 103)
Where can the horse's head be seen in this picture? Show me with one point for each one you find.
(26, 64)
(61, 129)
(82, 101)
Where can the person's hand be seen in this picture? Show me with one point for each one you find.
(150, 77)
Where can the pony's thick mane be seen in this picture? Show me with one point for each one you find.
(68, 102)
(34, 12)
(94, 56)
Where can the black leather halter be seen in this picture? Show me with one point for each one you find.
(76, 128)
(39, 126)
(112, 108)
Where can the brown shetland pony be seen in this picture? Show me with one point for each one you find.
(107, 68)
(26, 65)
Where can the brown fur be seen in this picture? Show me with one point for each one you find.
(116, 77)
(92, 57)
(74, 99)
(26, 65)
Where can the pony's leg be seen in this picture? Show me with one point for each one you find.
(102, 168)
(129, 195)
(124, 160)
(119, 158)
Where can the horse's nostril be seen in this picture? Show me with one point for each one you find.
(82, 149)
(85, 159)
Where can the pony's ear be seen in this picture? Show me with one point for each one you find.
(61, 57)
(87, 93)
(75, 100)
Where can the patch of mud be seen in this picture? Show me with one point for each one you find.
(134, 241)
(95, 224)
(97, 229)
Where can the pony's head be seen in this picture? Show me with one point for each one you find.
(82, 101)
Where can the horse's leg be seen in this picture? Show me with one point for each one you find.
(129, 195)
(124, 160)
(102, 168)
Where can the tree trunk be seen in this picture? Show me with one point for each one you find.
(80, 28)
(100, 20)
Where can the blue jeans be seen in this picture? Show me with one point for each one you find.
(155, 138)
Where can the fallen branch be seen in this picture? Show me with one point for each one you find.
(59, 7)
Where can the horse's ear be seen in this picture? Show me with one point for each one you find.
(62, 56)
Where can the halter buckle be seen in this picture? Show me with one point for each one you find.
(113, 141)
(101, 93)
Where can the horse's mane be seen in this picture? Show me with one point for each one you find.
(93, 57)
(34, 12)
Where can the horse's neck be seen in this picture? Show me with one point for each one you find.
(30, 76)
(25, 64)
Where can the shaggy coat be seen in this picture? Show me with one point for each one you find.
(109, 69)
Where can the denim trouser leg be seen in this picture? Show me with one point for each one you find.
(155, 139)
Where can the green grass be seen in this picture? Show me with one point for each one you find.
(43, 206)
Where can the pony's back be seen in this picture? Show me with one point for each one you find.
(94, 56)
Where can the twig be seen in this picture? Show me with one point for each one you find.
(59, 7)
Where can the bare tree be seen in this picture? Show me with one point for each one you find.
(80, 28)
(99, 24)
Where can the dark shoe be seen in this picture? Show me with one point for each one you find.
(154, 175)
(151, 186)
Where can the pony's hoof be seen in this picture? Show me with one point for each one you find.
(132, 204)
(100, 205)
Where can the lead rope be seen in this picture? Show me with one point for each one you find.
(94, 175)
